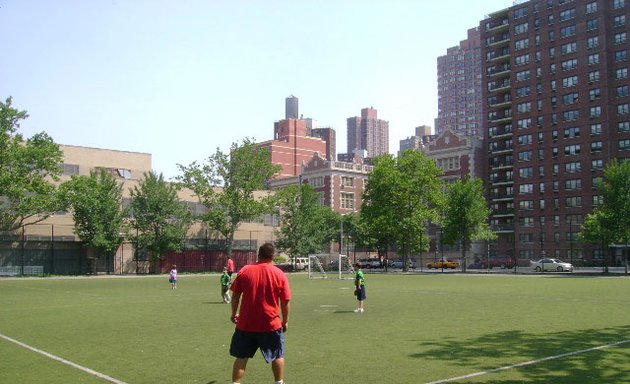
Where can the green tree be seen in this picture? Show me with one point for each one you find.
(96, 205)
(226, 183)
(28, 170)
(598, 229)
(160, 220)
(615, 192)
(466, 215)
(304, 222)
(402, 196)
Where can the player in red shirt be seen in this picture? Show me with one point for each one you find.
(261, 294)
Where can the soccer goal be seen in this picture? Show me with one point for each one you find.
(333, 265)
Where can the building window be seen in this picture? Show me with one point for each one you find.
(571, 150)
(521, 28)
(596, 129)
(347, 200)
(70, 169)
(593, 59)
(624, 144)
(593, 76)
(573, 184)
(570, 133)
(526, 172)
(524, 123)
(525, 140)
(595, 112)
(567, 14)
(594, 94)
(524, 107)
(573, 167)
(347, 181)
(525, 156)
(526, 188)
(622, 91)
(591, 7)
(571, 115)
(118, 173)
(568, 48)
(567, 31)
(570, 81)
(570, 98)
(621, 73)
(592, 24)
(316, 182)
(569, 64)
(573, 202)
(521, 44)
(597, 165)
(520, 12)
(619, 4)
(620, 38)
(619, 21)
(592, 42)
(621, 55)
(623, 109)
(596, 146)
(623, 126)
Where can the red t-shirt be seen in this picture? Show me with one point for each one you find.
(262, 286)
(230, 265)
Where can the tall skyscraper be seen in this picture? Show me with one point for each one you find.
(291, 107)
(368, 133)
(556, 111)
(459, 87)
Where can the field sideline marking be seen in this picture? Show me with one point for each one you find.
(529, 362)
(70, 363)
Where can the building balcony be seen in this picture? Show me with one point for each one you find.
(502, 181)
(502, 165)
(503, 213)
(500, 42)
(500, 120)
(503, 228)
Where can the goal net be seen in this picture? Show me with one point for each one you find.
(330, 265)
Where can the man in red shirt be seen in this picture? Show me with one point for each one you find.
(262, 290)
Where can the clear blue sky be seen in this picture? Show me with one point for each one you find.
(179, 78)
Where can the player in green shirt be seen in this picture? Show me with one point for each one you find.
(225, 286)
(359, 284)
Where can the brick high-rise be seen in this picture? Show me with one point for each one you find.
(556, 111)
(459, 87)
(368, 133)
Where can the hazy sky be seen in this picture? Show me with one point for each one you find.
(179, 78)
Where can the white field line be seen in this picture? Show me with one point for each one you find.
(70, 363)
(531, 362)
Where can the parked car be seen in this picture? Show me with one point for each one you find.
(443, 263)
(370, 263)
(399, 264)
(551, 265)
(301, 263)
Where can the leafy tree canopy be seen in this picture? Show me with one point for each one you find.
(96, 205)
(307, 226)
(28, 169)
(226, 183)
(160, 220)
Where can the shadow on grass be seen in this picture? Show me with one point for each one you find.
(596, 366)
(216, 302)
(348, 311)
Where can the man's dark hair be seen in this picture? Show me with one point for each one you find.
(266, 251)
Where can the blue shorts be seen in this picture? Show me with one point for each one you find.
(172, 281)
(271, 344)
(361, 293)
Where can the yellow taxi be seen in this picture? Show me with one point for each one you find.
(443, 263)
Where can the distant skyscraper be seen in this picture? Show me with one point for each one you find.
(291, 107)
(368, 133)
(459, 87)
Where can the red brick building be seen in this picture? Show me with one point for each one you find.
(292, 146)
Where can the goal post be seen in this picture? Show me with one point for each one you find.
(330, 265)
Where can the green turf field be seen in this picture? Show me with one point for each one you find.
(416, 329)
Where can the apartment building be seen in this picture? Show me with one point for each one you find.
(556, 111)
(459, 87)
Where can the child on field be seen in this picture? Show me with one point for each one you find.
(172, 277)
(359, 291)
(225, 286)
